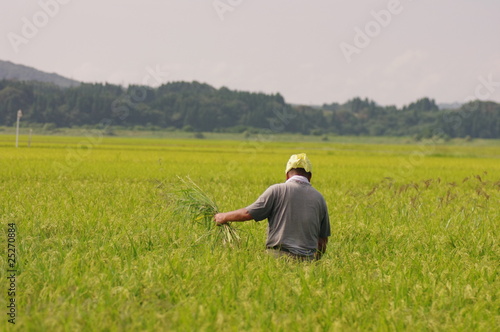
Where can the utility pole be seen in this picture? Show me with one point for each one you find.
(19, 115)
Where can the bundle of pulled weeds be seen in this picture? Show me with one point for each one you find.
(190, 202)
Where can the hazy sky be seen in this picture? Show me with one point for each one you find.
(312, 52)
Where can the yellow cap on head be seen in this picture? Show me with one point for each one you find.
(299, 161)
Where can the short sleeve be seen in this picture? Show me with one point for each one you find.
(263, 206)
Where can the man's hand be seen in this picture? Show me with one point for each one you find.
(219, 219)
(322, 242)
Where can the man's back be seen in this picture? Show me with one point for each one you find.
(297, 215)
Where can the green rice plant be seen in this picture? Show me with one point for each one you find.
(192, 203)
(417, 251)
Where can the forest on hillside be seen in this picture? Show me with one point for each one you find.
(194, 106)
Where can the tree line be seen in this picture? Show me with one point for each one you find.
(194, 106)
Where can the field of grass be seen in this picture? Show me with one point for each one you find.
(414, 246)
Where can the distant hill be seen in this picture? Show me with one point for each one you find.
(450, 106)
(15, 72)
(199, 107)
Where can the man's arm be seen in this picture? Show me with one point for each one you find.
(237, 215)
(322, 242)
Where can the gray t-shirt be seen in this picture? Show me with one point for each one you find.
(297, 215)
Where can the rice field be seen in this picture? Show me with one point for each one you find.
(100, 245)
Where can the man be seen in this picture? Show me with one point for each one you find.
(299, 225)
